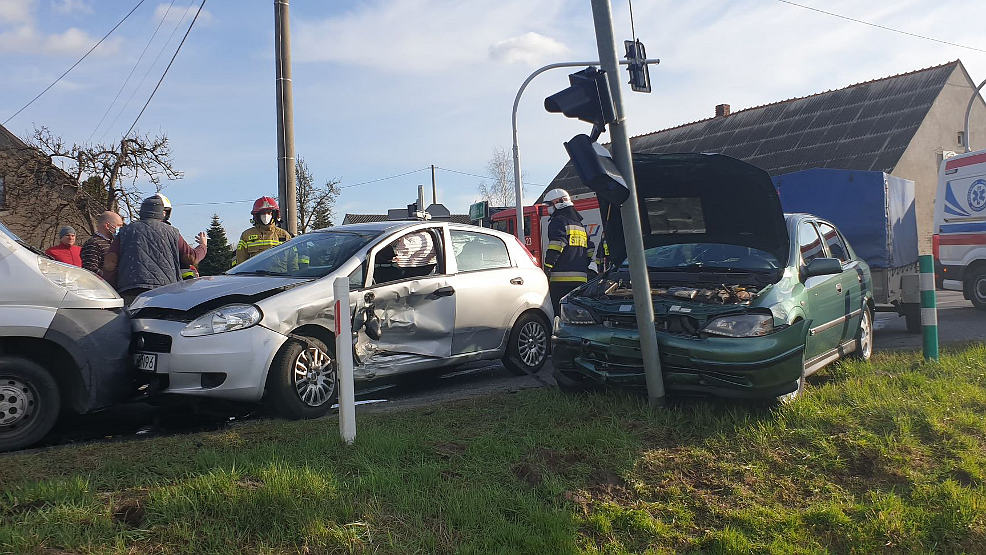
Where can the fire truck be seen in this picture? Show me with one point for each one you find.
(536, 223)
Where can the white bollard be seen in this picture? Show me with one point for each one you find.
(344, 360)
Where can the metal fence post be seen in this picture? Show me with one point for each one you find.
(929, 310)
(344, 360)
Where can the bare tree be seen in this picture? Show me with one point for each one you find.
(500, 190)
(316, 203)
(107, 175)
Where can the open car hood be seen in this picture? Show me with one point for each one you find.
(185, 295)
(701, 198)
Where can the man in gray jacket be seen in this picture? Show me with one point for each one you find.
(149, 253)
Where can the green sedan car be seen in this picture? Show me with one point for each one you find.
(747, 300)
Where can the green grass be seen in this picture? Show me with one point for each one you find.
(882, 457)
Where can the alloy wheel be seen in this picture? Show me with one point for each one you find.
(979, 289)
(865, 335)
(532, 343)
(314, 376)
(18, 402)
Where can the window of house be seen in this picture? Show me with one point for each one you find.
(835, 243)
(478, 251)
(809, 243)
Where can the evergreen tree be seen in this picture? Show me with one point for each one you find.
(220, 256)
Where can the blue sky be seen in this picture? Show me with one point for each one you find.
(383, 88)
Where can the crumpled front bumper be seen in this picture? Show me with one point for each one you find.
(742, 367)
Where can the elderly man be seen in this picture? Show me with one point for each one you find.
(94, 250)
(66, 250)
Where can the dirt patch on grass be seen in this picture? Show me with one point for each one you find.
(609, 485)
(449, 449)
(129, 511)
(528, 473)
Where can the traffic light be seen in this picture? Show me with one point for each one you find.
(639, 74)
(587, 99)
(596, 169)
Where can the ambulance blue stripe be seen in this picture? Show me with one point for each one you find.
(963, 228)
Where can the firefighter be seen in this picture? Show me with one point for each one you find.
(264, 234)
(566, 260)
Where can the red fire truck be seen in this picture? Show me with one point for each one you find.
(536, 223)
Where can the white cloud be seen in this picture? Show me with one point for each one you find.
(418, 35)
(181, 13)
(71, 6)
(26, 39)
(529, 48)
(16, 11)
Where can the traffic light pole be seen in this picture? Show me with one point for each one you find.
(286, 186)
(518, 185)
(643, 304)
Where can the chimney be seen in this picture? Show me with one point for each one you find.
(722, 110)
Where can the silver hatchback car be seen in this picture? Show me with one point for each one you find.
(422, 295)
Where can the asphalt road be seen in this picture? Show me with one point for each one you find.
(958, 322)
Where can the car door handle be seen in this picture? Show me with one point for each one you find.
(838, 287)
(446, 291)
(517, 281)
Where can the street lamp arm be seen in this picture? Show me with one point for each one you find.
(968, 113)
(518, 186)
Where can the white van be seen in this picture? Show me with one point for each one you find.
(64, 343)
(959, 242)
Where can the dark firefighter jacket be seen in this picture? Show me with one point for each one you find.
(567, 256)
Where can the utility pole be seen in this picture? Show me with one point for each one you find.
(639, 279)
(434, 190)
(286, 187)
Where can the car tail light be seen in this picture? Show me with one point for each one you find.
(935, 242)
(533, 258)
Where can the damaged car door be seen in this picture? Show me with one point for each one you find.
(410, 294)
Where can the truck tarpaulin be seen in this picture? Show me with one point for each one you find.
(874, 210)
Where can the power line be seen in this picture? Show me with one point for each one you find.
(134, 68)
(147, 73)
(884, 27)
(480, 176)
(177, 50)
(77, 62)
(385, 178)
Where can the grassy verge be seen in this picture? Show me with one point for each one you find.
(881, 457)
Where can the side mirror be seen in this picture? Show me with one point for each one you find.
(822, 267)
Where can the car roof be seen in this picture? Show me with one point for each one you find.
(371, 227)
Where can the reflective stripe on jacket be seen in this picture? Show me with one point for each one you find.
(257, 239)
(565, 259)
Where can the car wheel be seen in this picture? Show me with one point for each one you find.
(976, 285)
(302, 382)
(912, 317)
(864, 336)
(799, 391)
(29, 403)
(527, 348)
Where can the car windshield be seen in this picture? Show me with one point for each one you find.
(709, 256)
(311, 255)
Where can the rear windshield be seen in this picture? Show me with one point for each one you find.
(312, 255)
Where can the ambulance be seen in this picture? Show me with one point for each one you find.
(959, 241)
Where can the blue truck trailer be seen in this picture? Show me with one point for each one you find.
(875, 212)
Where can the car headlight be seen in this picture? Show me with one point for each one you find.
(80, 282)
(228, 318)
(577, 315)
(741, 325)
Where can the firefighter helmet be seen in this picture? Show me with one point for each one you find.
(167, 205)
(266, 204)
(558, 198)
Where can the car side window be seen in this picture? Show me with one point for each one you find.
(809, 243)
(410, 256)
(356, 279)
(835, 243)
(478, 251)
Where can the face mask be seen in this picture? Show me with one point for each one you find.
(551, 209)
(266, 218)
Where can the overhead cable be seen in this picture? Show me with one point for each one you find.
(77, 62)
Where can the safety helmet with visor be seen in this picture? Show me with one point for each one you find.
(166, 202)
(265, 210)
(556, 199)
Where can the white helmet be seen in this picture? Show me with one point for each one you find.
(557, 199)
(167, 205)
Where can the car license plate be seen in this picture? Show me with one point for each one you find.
(146, 362)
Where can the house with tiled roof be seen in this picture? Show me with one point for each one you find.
(902, 125)
(37, 197)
